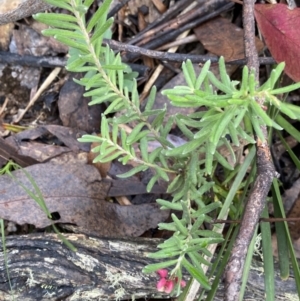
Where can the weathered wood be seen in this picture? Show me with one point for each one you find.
(41, 267)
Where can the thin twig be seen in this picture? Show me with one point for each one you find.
(172, 34)
(51, 77)
(23, 9)
(265, 174)
(170, 13)
(49, 61)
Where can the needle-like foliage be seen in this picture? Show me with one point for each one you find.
(230, 116)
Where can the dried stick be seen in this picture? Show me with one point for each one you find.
(49, 61)
(265, 174)
(23, 9)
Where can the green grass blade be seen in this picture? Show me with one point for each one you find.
(288, 127)
(247, 266)
(282, 235)
(267, 250)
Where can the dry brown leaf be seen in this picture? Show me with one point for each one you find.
(74, 110)
(221, 37)
(76, 192)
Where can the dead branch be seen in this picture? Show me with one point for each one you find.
(25, 9)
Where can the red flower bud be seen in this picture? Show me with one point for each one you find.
(163, 273)
(182, 283)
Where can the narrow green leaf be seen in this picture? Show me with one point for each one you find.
(263, 115)
(220, 127)
(89, 138)
(98, 92)
(171, 242)
(175, 184)
(223, 161)
(151, 99)
(72, 43)
(244, 83)
(101, 30)
(202, 75)
(219, 85)
(58, 20)
(144, 148)
(167, 226)
(150, 268)
(151, 183)
(288, 127)
(74, 35)
(256, 126)
(75, 64)
(191, 71)
(267, 249)
(187, 76)
(134, 132)
(233, 134)
(104, 127)
(114, 132)
(99, 15)
(209, 157)
(199, 221)
(88, 3)
(133, 171)
(111, 156)
(193, 168)
(286, 89)
(200, 277)
(169, 205)
(187, 132)
(223, 73)
(162, 174)
(197, 258)
(154, 154)
(281, 233)
(275, 74)
(252, 83)
(177, 90)
(289, 110)
(179, 224)
(115, 106)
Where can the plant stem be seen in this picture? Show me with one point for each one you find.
(265, 174)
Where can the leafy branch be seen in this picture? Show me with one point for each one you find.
(229, 115)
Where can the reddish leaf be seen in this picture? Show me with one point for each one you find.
(280, 27)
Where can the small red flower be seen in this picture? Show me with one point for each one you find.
(163, 273)
(167, 285)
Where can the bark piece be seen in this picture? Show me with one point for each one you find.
(42, 268)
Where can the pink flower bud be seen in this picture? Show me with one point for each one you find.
(161, 285)
(163, 273)
(169, 286)
(182, 283)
